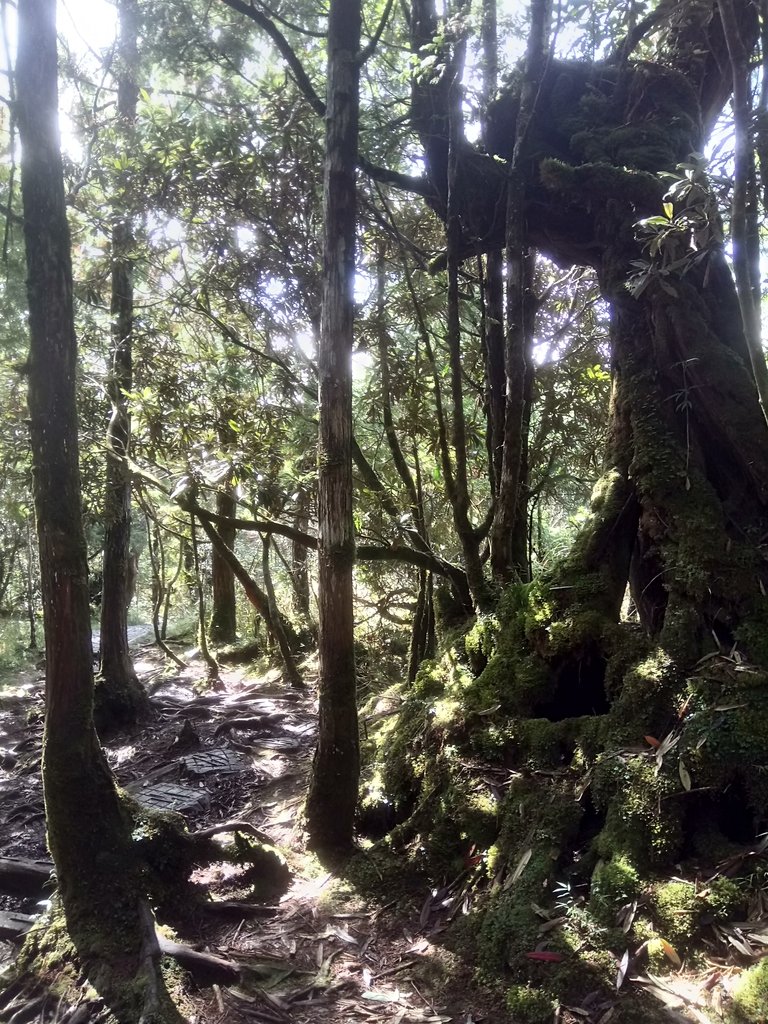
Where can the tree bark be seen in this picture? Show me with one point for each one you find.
(332, 797)
(120, 697)
(89, 834)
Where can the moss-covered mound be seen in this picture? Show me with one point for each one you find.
(605, 795)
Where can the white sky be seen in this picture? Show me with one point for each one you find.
(87, 23)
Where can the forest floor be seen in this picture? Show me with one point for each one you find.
(322, 950)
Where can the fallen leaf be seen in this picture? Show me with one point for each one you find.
(652, 741)
(545, 956)
(622, 971)
(671, 953)
(521, 866)
(685, 776)
(383, 997)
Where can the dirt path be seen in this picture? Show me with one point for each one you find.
(319, 951)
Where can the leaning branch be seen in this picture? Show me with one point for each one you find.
(396, 552)
(286, 51)
(368, 50)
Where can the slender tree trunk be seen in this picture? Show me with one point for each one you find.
(286, 653)
(458, 483)
(223, 628)
(277, 625)
(89, 833)
(299, 563)
(160, 589)
(210, 662)
(333, 788)
(493, 336)
(493, 275)
(744, 216)
(120, 698)
(31, 609)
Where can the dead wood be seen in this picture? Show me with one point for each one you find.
(206, 968)
(14, 925)
(24, 877)
(234, 826)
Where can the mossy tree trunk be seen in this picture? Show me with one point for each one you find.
(89, 834)
(680, 515)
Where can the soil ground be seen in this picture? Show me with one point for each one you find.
(321, 951)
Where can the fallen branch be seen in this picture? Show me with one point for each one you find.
(206, 968)
(234, 826)
(24, 877)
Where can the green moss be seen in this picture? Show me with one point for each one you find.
(752, 634)
(750, 994)
(480, 641)
(678, 909)
(529, 1005)
(640, 823)
(725, 737)
(614, 883)
(539, 819)
(594, 181)
(722, 899)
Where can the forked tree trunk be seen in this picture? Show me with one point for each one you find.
(89, 834)
(120, 697)
(688, 448)
(332, 797)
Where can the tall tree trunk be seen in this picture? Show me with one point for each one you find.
(508, 506)
(458, 482)
(89, 833)
(333, 788)
(30, 588)
(493, 273)
(744, 209)
(120, 698)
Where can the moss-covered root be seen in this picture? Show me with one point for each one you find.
(132, 987)
(169, 854)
